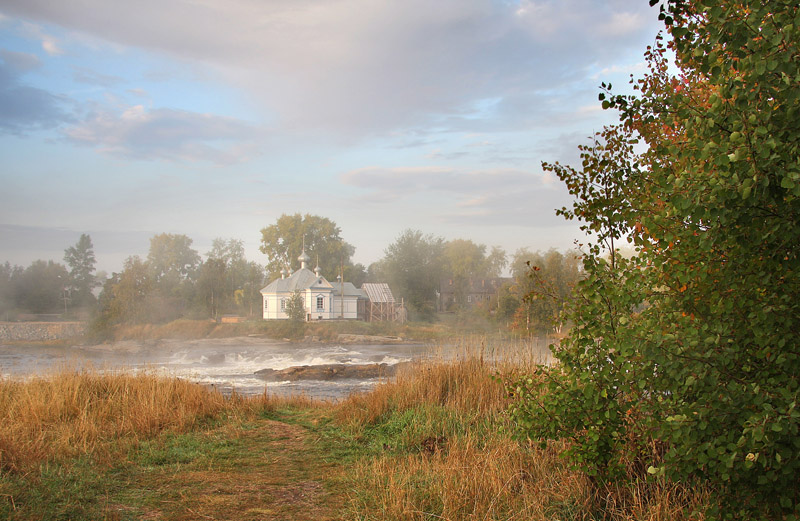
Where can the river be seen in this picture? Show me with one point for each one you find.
(227, 364)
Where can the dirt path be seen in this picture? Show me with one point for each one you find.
(268, 471)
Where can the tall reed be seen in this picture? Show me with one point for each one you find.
(74, 412)
(448, 450)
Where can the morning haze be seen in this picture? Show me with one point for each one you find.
(358, 259)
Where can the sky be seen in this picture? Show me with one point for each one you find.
(212, 118)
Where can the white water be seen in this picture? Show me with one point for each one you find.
(227, 364)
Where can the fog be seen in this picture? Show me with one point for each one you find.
(227, 365)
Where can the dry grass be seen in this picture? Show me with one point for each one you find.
(434, 443)
(465, 377)
(473, 478)
(72, 413)
(499, 479)
(466, 387)
(448, 452)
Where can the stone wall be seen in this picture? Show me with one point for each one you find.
(39, 331)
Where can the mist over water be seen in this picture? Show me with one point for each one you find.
(227, 364)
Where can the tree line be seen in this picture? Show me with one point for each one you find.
(171, 282)
(174, 281)
(415, 264)
(50, 287)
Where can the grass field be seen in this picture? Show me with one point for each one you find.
(433, 444)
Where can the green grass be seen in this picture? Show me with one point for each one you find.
(234, 469)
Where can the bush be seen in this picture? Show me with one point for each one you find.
(696, 335)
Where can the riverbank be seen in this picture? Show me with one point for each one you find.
(434, 443)
(342, 332)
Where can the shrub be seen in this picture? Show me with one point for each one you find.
(696, 335)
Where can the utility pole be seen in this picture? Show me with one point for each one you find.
(65, 302)
(341, 289)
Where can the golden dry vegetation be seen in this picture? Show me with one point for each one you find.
(434, 443)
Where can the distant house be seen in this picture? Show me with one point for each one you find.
(454, 292)
(323, 300)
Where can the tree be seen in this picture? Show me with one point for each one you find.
(8, 279)
(172, 262)
(356, 274)
(283, 242)
(231, 272)
(43, 287)
(128, 293)
(691, 345)
(543, 284)
(495, 262)
(296, 310)
(230, 252)
(80, 259)
(212, 287)
(413, 267)
(249, 296)
(465, 261)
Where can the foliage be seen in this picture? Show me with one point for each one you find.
(172, 262)
(227, 282)
(171, 281)
(42, 287)
(230, 252)
(413, 266)
(8, 276)
(465, 261)
(124, 295)
(684, 358)
(248, 298)
(296, 311)
(283, 242)
(80, 259)
(212, 288)
(544, 283)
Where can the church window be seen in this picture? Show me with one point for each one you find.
(320, 303)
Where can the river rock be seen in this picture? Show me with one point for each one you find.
(326, 372)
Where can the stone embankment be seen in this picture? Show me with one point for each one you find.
(39, 331)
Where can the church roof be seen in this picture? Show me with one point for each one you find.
(349, 290)
(300, 280)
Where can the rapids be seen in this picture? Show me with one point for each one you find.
(227, 364)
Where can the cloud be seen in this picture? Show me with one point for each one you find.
(621, 24)
(633, 68)
(139, 93)
(356, 67)
(20, 61)
(49, 43)
(24, 108)
(138, 133)
(91, 77)
(487, 197)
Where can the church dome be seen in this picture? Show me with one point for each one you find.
(304, 259)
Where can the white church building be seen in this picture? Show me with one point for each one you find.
(322, 300)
